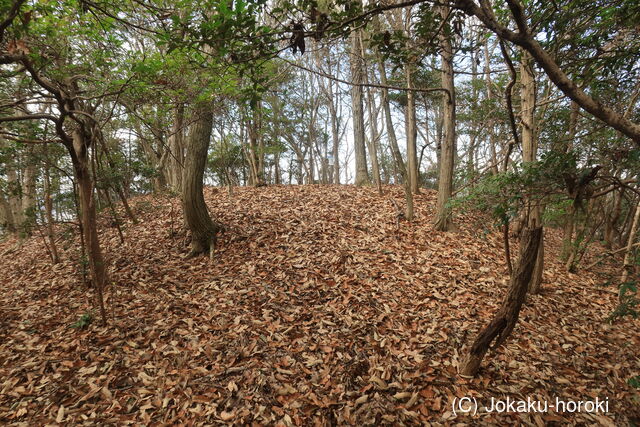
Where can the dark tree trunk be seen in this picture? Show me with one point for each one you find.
(505, 319)
(97, 268)
(447, 156)
(203, 229)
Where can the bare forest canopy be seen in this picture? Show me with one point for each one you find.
(318, 212)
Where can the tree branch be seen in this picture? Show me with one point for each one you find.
(13, 12)
(525, 39)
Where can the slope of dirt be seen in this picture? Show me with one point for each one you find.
(317, 310)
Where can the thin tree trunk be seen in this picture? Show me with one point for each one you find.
(48, 209)
(362, 174)
(29, 194)
(97, 267)
(612, 217)
(505, 319)
(118, 186)
(176, 151)
(567, 231)
(569, 225)
(277, 178)
(411, 130)
(254, 176)
(474, 131)
(336, 140)
(335, 132)
(393, 142)
(13, 197)
(7, 212)
(260, 139)
(627, 267)
(373, 127)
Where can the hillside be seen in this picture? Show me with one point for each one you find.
(317, 310)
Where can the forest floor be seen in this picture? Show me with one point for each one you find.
(317, 310)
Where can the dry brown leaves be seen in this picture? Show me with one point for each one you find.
(317, 311)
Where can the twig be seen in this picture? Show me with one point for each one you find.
(609, 253)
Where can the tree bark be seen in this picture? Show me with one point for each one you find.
(373, 127)
(569, 225)
(393, 142)
(332, 100)
(336, 142)
(176, 151)
(507, 315)
(48, 209)
(529, 155)
(447, 155)
(357, 78)
(82, 140)
(6, 215)
(411, 130)
(7, 212)
(29, 193)
(256, 175)
(260, 138)
(203, 229)
(14, 199)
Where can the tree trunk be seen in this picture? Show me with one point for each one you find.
(13, 197)
(526, 40)
(117, 186)
(447, 156)
(411, 130)
(627, 267)
(277, 174)
(48, 210)
(529, 154)
(490, 96)
(203, 229)
(506, 317)
(176, 151)
(29, 193)
(474, 127)
(260, 138)
(80, 159)
(255, 177)
(336, 141)
(567, 233)
(332, 100)
(613, 213)
(357, 78)
(570, 217)
(373, 127)
(6, 215)
(393, 142)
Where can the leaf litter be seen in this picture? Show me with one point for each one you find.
(317, 310)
